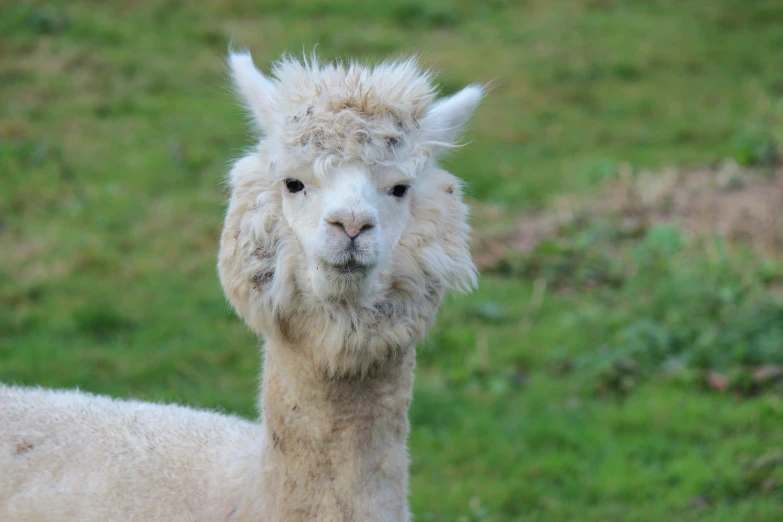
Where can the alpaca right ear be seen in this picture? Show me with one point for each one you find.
(255, 89)
(446, 117)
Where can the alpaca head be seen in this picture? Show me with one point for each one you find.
(342, 231)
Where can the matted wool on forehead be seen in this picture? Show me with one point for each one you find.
(352, 111)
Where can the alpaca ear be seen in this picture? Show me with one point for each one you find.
(256, 90)
(446, 117)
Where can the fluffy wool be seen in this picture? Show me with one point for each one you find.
(321, 115)
(340, 317)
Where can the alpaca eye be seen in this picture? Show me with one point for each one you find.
(399, 191)
(293, 185)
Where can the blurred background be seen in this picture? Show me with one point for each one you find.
(623, 357)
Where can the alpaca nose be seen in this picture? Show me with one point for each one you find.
(353, 226)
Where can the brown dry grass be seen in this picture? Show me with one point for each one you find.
(739, 204)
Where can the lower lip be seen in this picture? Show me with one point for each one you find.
(350, 268)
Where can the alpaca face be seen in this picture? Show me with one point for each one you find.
(342, 234)
(347, 223)
(347, 146)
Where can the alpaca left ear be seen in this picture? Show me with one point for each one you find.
(256, 90)
(446, 117)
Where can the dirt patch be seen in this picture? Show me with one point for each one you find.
(739, 204)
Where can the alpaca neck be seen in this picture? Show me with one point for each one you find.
(335, 449)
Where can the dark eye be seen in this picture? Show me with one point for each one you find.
(293, 185)
(399, 191)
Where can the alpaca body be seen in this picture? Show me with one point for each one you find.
(69, 455)
(326, 452)
(341, 238)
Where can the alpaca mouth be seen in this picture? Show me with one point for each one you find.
(351, 266)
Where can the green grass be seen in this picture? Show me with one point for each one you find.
(584, 402)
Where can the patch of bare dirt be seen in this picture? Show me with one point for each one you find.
(738, 204)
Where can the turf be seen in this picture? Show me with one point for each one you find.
(569, 387)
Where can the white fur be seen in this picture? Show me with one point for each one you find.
(340, 319)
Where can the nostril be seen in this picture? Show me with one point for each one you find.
(351, 232)
(354, 231)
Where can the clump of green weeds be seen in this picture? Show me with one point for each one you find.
(667, 305)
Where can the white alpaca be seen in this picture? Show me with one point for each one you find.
(341, 238)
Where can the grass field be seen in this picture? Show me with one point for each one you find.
(608, 374)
